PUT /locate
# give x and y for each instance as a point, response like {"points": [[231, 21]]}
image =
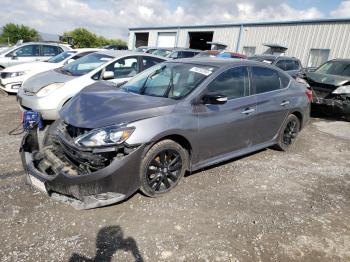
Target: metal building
{"points": [[312, 41]]}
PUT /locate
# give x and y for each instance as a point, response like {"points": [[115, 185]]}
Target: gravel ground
{"points": [[268, 206]]}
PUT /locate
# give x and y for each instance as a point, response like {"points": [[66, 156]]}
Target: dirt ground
{"points": [[268, 206]]}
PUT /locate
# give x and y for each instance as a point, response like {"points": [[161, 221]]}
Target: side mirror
{"points": [[107, 75], [214, 99], [14, 56]]}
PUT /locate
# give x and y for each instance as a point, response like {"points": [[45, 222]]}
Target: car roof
{"points": [[222, 62], [120, 53], [273, 57], [341, 60]]}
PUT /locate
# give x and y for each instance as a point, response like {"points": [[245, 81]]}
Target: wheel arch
{"points": [[299, 115]]}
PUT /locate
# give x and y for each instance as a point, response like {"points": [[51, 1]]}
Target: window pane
{"points": [[124, 67], [318, 57], [282, 64], [265, 79], [232, 83], [50, 50], [249, 50], [284, 80], [28, 50], [150, 61]]}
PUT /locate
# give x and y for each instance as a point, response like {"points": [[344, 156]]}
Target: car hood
{"points": [[331, 80], [37, 82], [99, 106]]}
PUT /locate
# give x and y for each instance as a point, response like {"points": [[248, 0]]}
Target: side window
{"points": [[148, 61], [124, 67], [49, 50], [265, 79], [291, 65], [284, 80], [233, 83], [97, 76], [175, 55], [27, 51], [282, 64], [187, 54]]}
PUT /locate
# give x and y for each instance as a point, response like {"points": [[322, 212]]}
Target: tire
{"points": [[163, 167], [288, 133], [347, 118]]}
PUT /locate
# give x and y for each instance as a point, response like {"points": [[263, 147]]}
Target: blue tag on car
{"points": [[32, 120]]}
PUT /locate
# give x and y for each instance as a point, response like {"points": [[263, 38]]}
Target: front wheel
{"points": [[288, 133], [163, 167]]}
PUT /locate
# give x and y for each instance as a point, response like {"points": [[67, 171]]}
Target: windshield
{"points": [[85, 64], [161, 52], [173, 80], [61, 57], [340, 68]]}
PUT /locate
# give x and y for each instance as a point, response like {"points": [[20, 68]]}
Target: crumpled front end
{"points": [[324, 97], [83, 177]]}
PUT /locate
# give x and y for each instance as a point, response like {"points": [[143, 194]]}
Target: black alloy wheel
{"points": [[163, 167], [288, 133]]}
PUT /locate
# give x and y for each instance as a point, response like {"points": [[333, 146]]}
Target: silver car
{"points": [[178, 116], [47, 92], [30, 52]]}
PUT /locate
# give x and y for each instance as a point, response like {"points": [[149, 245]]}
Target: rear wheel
{"points": [[288, 133], [163, 167]]}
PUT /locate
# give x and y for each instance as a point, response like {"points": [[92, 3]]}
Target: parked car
{"points": [[330, 84], [182, 53], [178, 116], [12, 77], [146, 49], [291, 65], [220, 53], [47, 92], [115, 47], [29, 52]]}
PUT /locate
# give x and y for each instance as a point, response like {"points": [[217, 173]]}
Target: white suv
{"points": [[29, 52]]}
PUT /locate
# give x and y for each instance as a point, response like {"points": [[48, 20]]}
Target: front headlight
{"points": [[104, 137], [15, 74], [342, 90], [48, 89]]}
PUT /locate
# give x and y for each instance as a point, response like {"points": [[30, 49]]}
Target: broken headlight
{"points": [[342, 90], [109, 136]]}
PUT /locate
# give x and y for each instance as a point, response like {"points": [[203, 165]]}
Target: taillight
{"points": [[308, 93]]}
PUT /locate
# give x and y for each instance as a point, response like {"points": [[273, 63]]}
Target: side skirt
{"points": [[230, 155]]}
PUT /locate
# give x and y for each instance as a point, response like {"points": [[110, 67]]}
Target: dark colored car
{"points": [[178, 116], [220, 53], [330, 84], [115, 47], [290, 65]]}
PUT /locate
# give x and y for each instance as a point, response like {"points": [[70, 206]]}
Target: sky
{"points": [[112, 18]]}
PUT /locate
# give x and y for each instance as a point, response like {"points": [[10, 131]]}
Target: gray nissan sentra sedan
{"points": [[177, 116]]}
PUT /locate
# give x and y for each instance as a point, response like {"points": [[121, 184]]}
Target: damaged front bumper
{"points": [[333, 105], [61, 180]]}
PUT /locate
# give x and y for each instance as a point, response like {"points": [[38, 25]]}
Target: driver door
{"points": [[24, 54], [227, 127]]}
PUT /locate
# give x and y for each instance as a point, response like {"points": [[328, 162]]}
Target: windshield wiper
{"points": [[171, 85], [157, 72]]}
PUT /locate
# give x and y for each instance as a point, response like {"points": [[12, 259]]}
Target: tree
{"points": [[14, 32], [84, 38]]}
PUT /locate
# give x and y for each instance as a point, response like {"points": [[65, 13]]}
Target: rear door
{"points": [[227, 127], [273, 104]]}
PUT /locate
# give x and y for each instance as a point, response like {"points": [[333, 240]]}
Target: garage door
{"points": [[166, 39]]}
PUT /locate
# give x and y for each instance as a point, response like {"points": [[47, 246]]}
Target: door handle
{"points": [[284, 103], [248, 111]]}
